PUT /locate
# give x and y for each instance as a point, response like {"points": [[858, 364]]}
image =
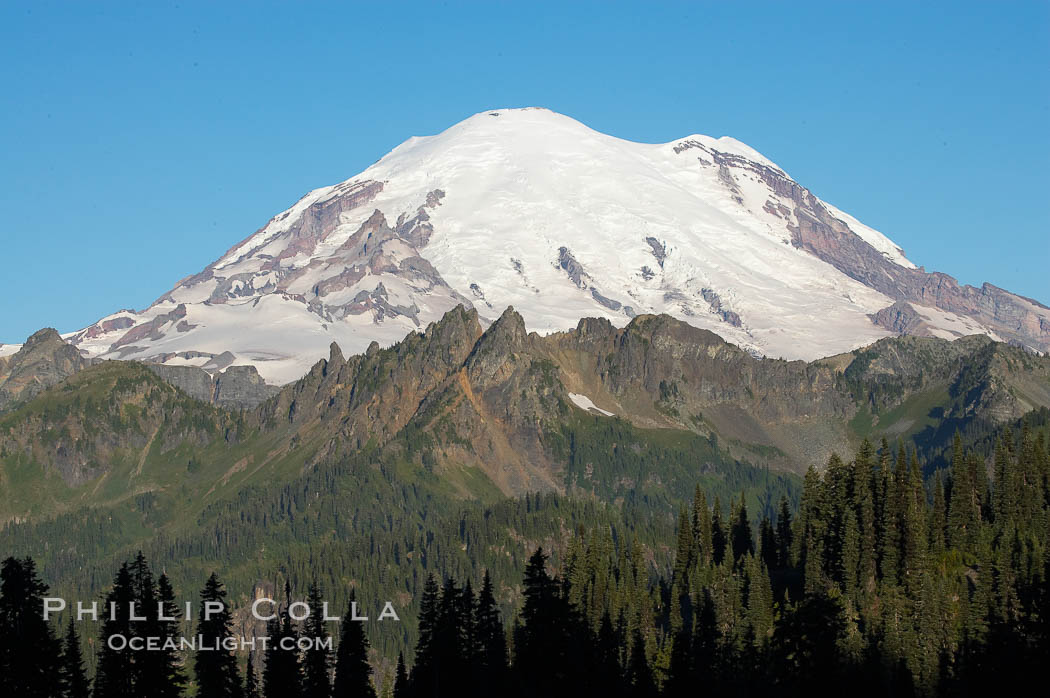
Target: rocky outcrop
{"points": [[238, 387], [572, 268], [900, 318], [44, 360], [494, 399]]}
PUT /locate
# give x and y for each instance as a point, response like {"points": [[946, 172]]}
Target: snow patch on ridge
{"points": [[585, 403]]}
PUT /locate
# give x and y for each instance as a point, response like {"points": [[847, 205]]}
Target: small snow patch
{"points": [[584, 403]]}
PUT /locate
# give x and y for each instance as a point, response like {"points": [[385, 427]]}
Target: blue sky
{"points": [[139, 141]]}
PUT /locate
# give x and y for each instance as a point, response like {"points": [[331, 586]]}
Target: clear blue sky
{"points": [[139, 141]]}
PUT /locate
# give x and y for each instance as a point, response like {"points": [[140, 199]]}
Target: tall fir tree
{"points": [[425, 671], [251, 678], [639, 673], [30, 654], [215, 667], [75, 683], [115, 672], [166, 662], [702, 526], [282, 673], [742, 538], [719, 534], [353, 674], [492, 641], [785, 535], [401, 685], [317, 660]]}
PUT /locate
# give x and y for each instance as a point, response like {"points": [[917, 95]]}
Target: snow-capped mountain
{"points": [[530, 208]]}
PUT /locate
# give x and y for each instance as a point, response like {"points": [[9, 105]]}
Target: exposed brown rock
{"points": [[44, 360]]}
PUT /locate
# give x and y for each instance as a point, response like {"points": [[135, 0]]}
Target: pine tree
{"points": [[685, 552], [215, 668], [681, 678], [938, 518], [165, 662], [639, 673], [540, 642], [150, 677], [251, 678], [889, 541], [401, 685], [30, 654], [862, 487], [743, 542], [424, 673], [964, 507], [75, 683], [353, 674], [115, 673], [719, 535], [282, 673], [784, 535], [317, 661], [492, 659], [767, 543], [702, 527]]}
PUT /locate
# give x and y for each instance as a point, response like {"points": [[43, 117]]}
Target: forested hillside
{"points": [[876, 580]]}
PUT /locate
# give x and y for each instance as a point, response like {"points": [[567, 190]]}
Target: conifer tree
{"points": [[75, 683], [150, 667], [702, 526], [685, 551], [784, 535], [767, 543], [353, 674], [492, 657], [963, 504], [282, 673], [165, 662], [863, 494], [401, 685], [424, 672], [681, 679], [29, 651], [251, 678], [639, 673], [115, 672], [743, 542], [541, 637], [317, 660], [719, 534], [938, 518], [215, 667]]}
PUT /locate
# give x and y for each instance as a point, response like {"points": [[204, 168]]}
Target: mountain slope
{"points": [[503, 411], [532, 209], [44, 359]]}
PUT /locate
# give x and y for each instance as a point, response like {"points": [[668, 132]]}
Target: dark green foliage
{"points": [[491, 642], [115, 675], [282, 671], [317, 660], [215, 668], [352, 671], [401, 685], [30, 654], [251, 678], [75, 683]]}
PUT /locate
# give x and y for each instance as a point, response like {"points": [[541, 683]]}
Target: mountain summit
{"points": [[530, 208]]}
